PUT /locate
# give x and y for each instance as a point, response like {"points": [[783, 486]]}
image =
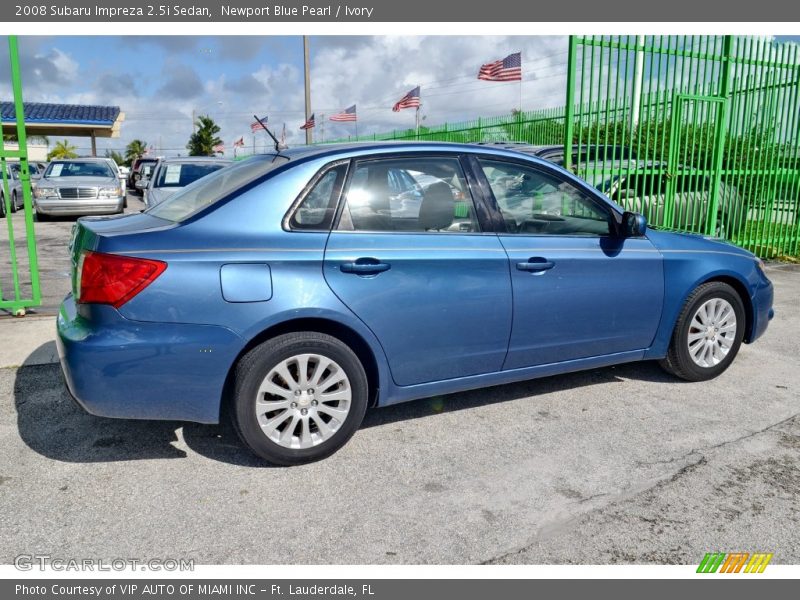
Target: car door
{"points": [[418, 269], [579, 291]]}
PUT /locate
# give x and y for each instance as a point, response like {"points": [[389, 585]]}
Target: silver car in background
{"points": [[171, 175], [78, 186], [14, 189]]}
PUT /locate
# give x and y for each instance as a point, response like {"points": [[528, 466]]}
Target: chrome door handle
{"points": [[362, 267], [536, 265]]}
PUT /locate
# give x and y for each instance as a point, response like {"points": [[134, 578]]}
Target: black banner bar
{"points": [[310, 11], [396, 589]]}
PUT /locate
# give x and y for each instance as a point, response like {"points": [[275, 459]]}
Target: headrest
{"points": [[436, 210]]}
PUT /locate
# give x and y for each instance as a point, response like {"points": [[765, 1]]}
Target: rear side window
{"points": [[419, 194], [318, 205]]}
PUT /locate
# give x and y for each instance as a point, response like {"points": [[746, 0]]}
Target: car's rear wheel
{"points": [[298, 397], [708, 333], [2, 207], [13, 202]]}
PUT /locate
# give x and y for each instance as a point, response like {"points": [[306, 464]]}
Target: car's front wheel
{"points": [[299, 397], [708, 333]]}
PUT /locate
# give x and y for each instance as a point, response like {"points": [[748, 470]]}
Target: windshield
{"points": [[182, 174], [79, 169], [208, 190]]}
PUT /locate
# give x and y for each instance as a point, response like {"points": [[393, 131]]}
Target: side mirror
{"points": [[633, 224]]}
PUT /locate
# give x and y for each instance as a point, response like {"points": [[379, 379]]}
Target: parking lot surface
{"points": [[52, 237], [614, 465]]}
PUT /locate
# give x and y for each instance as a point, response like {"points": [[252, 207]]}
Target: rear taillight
{"points": [[114, 279]]}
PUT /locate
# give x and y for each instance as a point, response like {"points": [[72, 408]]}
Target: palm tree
{"points": [[62, 150], [136, 149], [116, 157], [32, 139], [202, 142]]}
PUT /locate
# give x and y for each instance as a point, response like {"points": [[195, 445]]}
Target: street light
{"points": [[197, 110]]}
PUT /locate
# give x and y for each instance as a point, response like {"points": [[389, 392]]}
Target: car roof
{"points": [[82, 159], [196, 159], [359, 148]]}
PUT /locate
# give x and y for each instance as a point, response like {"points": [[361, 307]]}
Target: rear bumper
{"points": [[126, 369]]}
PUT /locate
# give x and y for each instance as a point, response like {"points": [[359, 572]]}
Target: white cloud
{"points": [[372, 72]]}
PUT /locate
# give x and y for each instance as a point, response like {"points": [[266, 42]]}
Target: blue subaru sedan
{"points": [[299, 288]]}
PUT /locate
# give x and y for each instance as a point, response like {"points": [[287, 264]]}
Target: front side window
{"points": [[535, 202], [420, 194]]}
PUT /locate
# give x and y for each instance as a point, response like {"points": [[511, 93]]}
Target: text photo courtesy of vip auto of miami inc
{"points": [[448, 300]]}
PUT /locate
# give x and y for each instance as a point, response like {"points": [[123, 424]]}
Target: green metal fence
{"points": [[20, 269], [710, 129], [544, 126], [700, 133]]}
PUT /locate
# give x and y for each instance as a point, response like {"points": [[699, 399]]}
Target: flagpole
{"points": [[356, 124], [321, 127], [307, 85], [416, 123]]}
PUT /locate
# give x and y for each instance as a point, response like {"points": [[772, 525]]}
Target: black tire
{"points": [[256, 365], [679, 361], [13, 202], [40, 217], [2, 207]]}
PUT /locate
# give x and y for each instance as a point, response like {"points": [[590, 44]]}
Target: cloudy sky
{"points": [[158, 81]]}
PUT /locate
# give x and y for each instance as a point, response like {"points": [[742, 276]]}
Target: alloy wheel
{"points": [[712, 332], [303, 401]]}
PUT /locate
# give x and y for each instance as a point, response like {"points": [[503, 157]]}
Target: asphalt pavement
{"points": [[613, 465], [52, 237]]}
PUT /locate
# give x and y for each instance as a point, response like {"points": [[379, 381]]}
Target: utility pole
{"points": [[308, 86]]}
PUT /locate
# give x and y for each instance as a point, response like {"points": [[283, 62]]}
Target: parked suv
{"points": [[140, 167]]}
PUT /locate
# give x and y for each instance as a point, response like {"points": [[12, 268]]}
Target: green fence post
{"points": [[30, 235], [719, 142], [572, 59]]}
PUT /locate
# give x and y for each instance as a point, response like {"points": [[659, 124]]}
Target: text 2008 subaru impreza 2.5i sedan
{"points": [[301, 288]]}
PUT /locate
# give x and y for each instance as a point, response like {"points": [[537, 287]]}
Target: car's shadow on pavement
{"points": [[53, 425]]}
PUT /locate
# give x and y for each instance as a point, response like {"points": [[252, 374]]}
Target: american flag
{"points": [[219, 148], [309, 124], [508, 69], [239, 143], [255, 125], [410, 100], [348, 114]]}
